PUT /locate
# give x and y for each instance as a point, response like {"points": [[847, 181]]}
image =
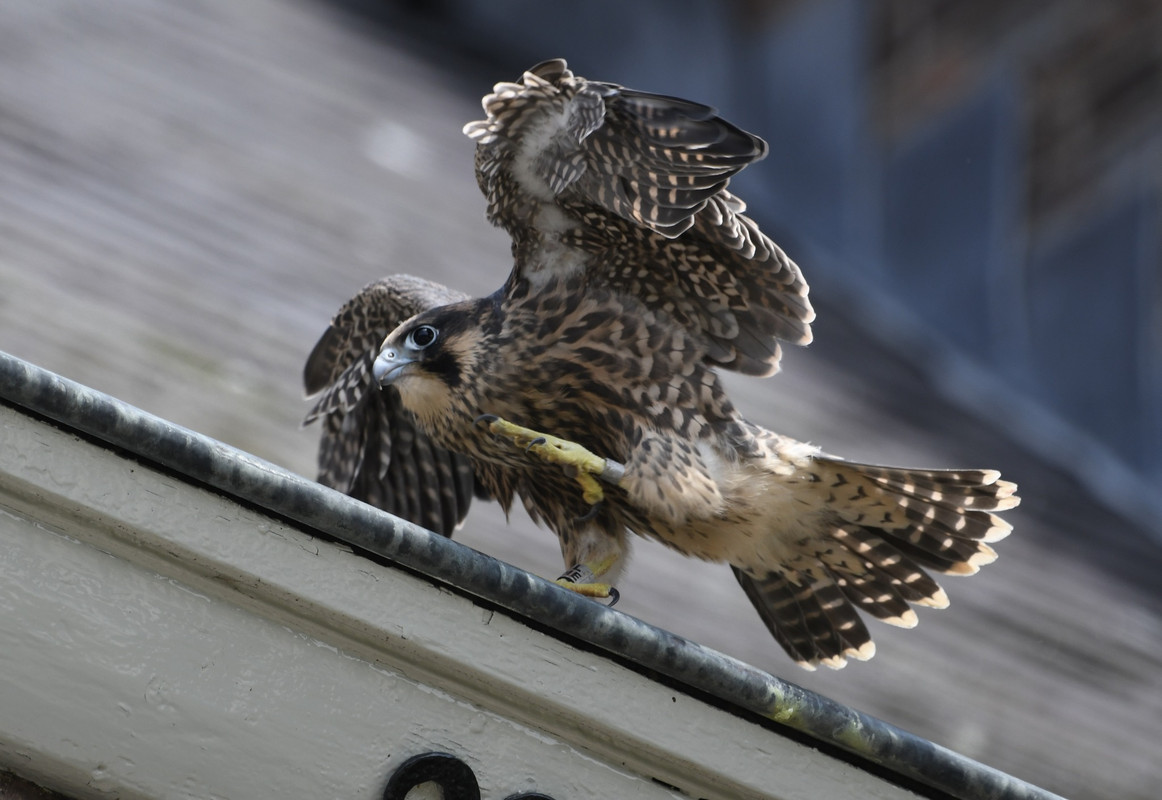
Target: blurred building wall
{"points": [[988, 170]]}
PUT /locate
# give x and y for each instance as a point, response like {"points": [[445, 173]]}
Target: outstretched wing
{"points": [[370, 447], [631, 188]]}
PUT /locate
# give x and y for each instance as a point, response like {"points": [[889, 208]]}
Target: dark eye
{"points": [[422, 336]]}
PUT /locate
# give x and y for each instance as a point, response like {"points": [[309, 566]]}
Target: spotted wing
{"points": [[636, 184], [370, 447]]}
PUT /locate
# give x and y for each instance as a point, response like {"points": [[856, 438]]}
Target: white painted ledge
{"points": [[162, 638]]}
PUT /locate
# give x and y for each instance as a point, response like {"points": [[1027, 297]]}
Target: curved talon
{"points": [[486, 419], [536, 443], [614, 596], [591, 513]]}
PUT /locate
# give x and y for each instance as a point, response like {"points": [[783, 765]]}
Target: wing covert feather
{"points": [[370, 447], [632, 186]]}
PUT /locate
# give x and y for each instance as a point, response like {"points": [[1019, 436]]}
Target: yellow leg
{"points": [[553, 450], [582, 579]]}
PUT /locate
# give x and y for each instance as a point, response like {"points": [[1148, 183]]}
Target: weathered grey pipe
{"points": [[855, 736]]}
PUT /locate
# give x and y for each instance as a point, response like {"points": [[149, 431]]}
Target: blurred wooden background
{"points": [[188, 191]]}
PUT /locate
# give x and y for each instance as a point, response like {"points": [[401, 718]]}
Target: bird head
{"points": [[428, 358]]}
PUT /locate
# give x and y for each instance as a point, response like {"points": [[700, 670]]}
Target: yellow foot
{"points": [[589, 467], [582, 579]]}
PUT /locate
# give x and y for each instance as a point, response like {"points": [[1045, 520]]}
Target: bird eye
{"points": [[422, 336]]}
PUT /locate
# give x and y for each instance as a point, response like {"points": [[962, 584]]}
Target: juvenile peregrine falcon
{"points": [[636, 276]]}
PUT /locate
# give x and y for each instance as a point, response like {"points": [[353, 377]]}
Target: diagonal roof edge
{"points": [[865, 739]]}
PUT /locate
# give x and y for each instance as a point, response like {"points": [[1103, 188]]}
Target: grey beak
{"points": [[389, 365]]}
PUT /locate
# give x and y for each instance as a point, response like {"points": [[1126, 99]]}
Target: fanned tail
{"points": [[884, 530]]}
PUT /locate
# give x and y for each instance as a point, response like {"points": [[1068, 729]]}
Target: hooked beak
{"points": [[389, 365]]}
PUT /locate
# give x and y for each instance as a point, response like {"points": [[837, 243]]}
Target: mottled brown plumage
{"points": [[635, 277], [370, 448], [629, 190], [811, 537]]}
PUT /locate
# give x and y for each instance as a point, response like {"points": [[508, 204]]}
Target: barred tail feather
{"points": [[940, 518], [814, 624], [883, 532]]}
